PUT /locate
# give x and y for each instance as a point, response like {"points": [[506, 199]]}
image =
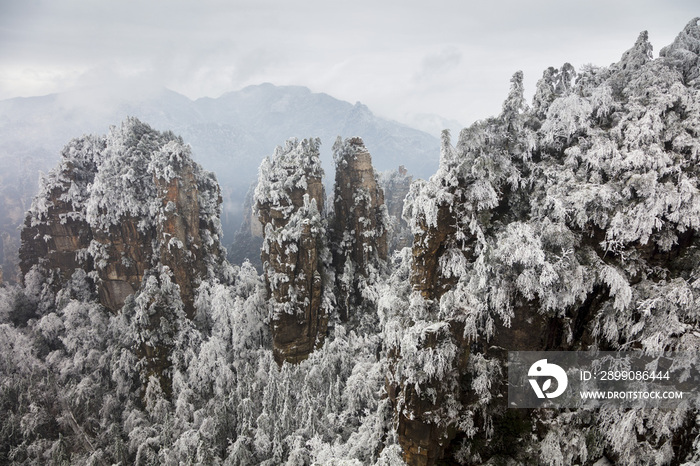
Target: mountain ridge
{"points": [[229, 136], [570, 223]]}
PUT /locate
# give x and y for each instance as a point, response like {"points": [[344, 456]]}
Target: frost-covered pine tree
{"points": [[575, 228]]}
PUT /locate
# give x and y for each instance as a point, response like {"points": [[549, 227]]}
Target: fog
{"points": [[404, 59]]}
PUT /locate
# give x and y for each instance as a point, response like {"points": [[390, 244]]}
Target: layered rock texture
{"points": [[56, 234], [568, 225], [289, 201], [359, 227], [396, 185], [298, 260], [121, 205], [125, 208]]}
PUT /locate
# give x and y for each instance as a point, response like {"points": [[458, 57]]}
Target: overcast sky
{"points": [[402, 58]]}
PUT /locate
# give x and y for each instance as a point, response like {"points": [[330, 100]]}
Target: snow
{"points": [[581, 195]]}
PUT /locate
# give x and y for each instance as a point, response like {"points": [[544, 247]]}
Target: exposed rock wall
{"points": [[429, 245], [547, 228], [55, 245], [422, 406], [396, 185], [289, 201], [178, 232], [56, 234], [141, 218], [359, 233], [84, 219], [125, 256]]}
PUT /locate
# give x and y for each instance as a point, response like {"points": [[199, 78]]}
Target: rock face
{"points": [[137, 217], [121, 205], [429, 245], [396, 185], [289, 201], [248, 239], [422, 406], [125, 261], [180, 231], [359, 233], [549, 228], [56, 234]]}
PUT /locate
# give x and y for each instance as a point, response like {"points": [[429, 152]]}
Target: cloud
{"points": [[410, 56], [437, 63]]}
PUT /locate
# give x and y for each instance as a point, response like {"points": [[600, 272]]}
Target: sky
{"points": [[404, 59]]}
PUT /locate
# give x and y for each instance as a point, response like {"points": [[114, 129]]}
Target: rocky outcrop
{"points": [[684, 53], [430, 244], [56, 234], [248, 239], [124, 260], [289, 201], [544, 229], [141, 218], [422, 405], [120, 205], [396, 185], [182, 231], [359, 233]]}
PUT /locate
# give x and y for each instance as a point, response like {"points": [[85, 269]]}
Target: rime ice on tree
{"points": [[289, 201], [359, 228]]}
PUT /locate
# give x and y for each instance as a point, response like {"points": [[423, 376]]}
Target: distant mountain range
{"points": [[229, 135]]}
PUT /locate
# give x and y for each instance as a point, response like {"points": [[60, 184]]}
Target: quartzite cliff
{"points": [[568, 223], [123, 207]]}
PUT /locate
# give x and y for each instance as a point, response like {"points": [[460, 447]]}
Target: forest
{"points": [[567, 223]]}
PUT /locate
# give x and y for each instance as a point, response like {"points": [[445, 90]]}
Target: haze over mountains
{"points": [[229, 135], [566, 226]]}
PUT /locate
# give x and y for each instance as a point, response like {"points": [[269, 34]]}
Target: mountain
{"points": [[557, 239], [229, 135], [433, 124], [125, 213]]}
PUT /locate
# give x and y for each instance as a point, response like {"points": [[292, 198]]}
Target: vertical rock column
{"points": [[289, 201], [429, 244], [424, 427], [359, 233], [125, 255], [178, 229], [396, 185], [134, 214]]}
